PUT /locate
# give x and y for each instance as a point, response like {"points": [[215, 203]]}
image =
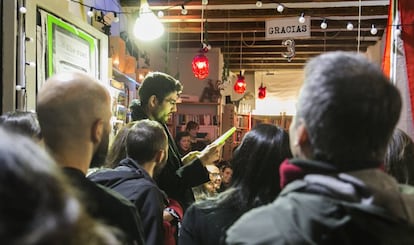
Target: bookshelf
{"points": [[282, 120], [243, 124], [206, 114]]}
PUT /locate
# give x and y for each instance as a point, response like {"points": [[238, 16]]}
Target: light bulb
{"points": [[302, 18], [116, 18], [349, 26], [183, 10], [398, 31], [204, 2], [259, 4], [374, 30], [147, 26], [324, 25], [280, 8], [90, 12], [22, 10], [160, 14]]}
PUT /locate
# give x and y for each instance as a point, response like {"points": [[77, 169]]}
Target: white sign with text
{"points": [[282, 28]]}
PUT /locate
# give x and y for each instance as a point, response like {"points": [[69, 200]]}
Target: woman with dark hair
{"points": [[255, 182], [117, 150]]}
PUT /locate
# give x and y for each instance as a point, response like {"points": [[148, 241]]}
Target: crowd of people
{"points": [[343, 174]]}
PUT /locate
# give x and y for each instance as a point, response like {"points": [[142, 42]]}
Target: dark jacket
{"points": [[108, 206], [356, 207], [175, 179], [133, 182], [206, 222]]}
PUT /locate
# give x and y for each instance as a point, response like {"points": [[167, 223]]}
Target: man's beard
{"points": [[98, 158]]}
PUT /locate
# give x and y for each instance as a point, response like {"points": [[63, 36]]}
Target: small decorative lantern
{"points": [[262, 92], [200, 65], [240, 85]]}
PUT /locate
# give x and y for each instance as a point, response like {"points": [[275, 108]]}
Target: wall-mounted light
{"points": [[90, 12], [147, 26], [280, 8], [374, 30], [349, 26], [324, 24], [259, 4], [184, 11], [302, 18]]}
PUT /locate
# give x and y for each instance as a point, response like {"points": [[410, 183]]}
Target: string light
{"points": [[116, 18], [90, 12], [302, 18], [23, 10], [280, 8], [184, 11], [349, 26], [324, 25], [374, 30]]}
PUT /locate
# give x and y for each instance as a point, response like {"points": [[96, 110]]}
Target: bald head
{"points": [[68, 105]]}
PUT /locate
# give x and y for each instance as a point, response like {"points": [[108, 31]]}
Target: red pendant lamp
{"points": [[262, 92], [240, 85], [200, 65]]}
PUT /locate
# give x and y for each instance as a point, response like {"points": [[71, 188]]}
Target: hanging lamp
{"points": [[200, 64], [261, 94], [240, 85], [147, 26]]}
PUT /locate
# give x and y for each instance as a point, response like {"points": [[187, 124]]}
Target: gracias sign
{"points": [[286, 28]]}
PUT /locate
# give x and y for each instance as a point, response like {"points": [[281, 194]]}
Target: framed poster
{"points": [[69, 48]]}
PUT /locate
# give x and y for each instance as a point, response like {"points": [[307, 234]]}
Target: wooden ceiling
{"points": [[240, 25]]}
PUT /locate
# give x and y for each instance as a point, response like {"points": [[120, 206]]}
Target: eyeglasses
{"points": [[172, 102]]}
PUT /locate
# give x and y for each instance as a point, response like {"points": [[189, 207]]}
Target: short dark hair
{"points": [[191, 125], [144, 139], [399, 158], [349, 109], [21, 122], [181, 135], [158, 84]]}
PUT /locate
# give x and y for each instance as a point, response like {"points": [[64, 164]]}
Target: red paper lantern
{"points": [[240, 85], [200, 66], [262, 92]]}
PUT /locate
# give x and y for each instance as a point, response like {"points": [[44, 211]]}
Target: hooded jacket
{"points": [[134, 183], [357, 207], [175, 178]]}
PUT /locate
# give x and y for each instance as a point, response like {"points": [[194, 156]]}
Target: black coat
{"points": [[175, 178], [103, 204], [206, 222], [133, 182]]}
